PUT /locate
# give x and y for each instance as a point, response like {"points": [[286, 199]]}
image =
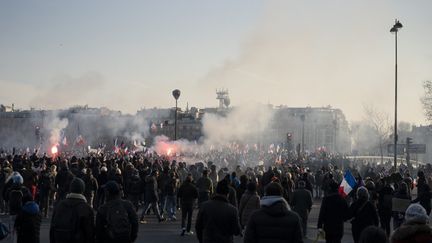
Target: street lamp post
{"points": [[302, 118], [395, 30], [176, 95]]}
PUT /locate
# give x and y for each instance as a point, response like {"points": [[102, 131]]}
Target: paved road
{"points": [[169, 232]]}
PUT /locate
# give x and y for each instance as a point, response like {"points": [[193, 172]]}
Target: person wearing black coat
{"points": [[274, 222], [332, 215], [28, 221], [218, 220], [187, 194], [84, 215], [424, 197], [113, 201], [363, 212]]}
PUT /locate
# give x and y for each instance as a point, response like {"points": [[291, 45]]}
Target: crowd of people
{"points": [[104, 197]]}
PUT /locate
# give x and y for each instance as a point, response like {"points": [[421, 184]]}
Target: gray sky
{"points": [[131, 54]]}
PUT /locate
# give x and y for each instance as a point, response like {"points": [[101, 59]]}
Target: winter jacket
{"points": [[78, 203], [249, 203], [273, 223], [412, 232], [332, 215], [205, 184], [301, 201], [151, 189], [217, 221], [364, 214], [27, 223], [101, 220], [187, 193]]}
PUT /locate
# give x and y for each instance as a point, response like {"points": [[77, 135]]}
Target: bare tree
{"points": [[426, 100], [381, 124]]}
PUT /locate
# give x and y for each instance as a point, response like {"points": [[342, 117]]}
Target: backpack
{"points": [[15, 200], [118, 226], [65, 224]]}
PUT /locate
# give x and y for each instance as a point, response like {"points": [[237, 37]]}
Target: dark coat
{"points": [[151, 189], [301, 201], [332, 215], [274, 223], [249, 203], [364, 214], [217, 221], [412, 233], [187, 193], [101, 220], [85, 217], [27, 223]]}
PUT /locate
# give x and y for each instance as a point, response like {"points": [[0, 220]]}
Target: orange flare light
{"points": [[54, 150]]}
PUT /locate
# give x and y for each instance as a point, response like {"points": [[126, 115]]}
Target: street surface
{"points": [[169, 231]]}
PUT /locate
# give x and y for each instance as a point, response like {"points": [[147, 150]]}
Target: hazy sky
{"points": [[131, 54]]}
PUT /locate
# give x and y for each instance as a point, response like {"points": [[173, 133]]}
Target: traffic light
{"points": [[408, 140]]}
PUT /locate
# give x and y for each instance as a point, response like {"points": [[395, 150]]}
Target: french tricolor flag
{"points": [[348, 184]]}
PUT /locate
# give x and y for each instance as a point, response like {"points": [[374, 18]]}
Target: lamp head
{"points": [[176, 94]]}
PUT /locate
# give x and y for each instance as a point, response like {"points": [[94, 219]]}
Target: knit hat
{"points": [[77, 186], [416, 212]]}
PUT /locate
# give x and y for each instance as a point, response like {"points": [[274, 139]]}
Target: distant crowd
{"points": [[104, 198]]}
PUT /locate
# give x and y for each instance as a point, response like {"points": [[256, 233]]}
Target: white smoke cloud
{"points": [[246, 123]]}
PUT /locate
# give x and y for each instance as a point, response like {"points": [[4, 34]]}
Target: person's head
{"points": [[274, 189], [363, 193], [333, 186], [77, 186], [251, 187], [205, 172], [222, 188], [416, 213], [301, 184], [113, 189], [373, 234], [189, 178], [17, 178]]}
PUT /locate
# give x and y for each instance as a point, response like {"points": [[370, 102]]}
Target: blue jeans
{"points": [[170, 206]]}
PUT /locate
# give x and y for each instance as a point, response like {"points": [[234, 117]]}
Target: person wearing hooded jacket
{"points": [[75, 200], [274, 222], [28, 221]]}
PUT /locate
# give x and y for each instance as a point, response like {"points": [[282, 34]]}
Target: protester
{"points": [[116, 220], [187, 194], [73, 219], [363, 213], [218, 220], [402, 193], [205, 187], [28, 221], [416, 227], [274, 222], [373, 234], [152, 197], [249, 202], [301, 202], [333, 213]]}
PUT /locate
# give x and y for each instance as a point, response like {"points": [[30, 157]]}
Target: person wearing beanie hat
{"points": [[217, 219], [111, 218], [415, 228], [28, 221], [73, 219], [363, 212]]}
